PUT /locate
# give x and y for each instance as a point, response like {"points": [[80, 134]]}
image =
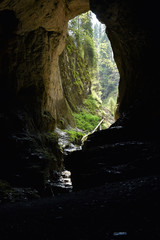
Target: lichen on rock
{"points": [[76, 80]]}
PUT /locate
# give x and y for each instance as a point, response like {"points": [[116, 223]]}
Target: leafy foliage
{"points": [[107, 70], [91, 104], [75, 136], [86, 121], [80, 28], [94, 48], [89, 50], [111, 105]]}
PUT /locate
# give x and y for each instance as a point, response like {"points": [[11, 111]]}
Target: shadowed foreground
{"points": [[121, 210]]}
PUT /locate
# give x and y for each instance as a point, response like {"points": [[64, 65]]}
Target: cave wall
{"points": [[32, 102], [76, 80], [132, 29], [32, 38]]}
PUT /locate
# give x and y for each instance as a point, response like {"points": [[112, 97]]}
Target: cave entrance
{"points": [[106, 73], [93, 57], [89, 76]]}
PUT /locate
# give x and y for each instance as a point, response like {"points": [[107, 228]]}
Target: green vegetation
{"points": [[110, 104], [106, 73], [76, 79], [92, 104], [95, 49], [89, 75], [75, 136], [86, 121], [80, 28]]}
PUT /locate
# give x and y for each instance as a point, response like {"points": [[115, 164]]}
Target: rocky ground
{"points": [[116, 185], [121, 210]]}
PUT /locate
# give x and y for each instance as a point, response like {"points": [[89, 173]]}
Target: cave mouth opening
{"points": [[94, 49]]}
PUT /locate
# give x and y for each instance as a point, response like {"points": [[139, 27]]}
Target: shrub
{"points": [[74, 136], [91, 104], [86, 121]]}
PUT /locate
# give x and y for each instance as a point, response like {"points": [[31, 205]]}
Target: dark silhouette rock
{"points": [[119, 166]]}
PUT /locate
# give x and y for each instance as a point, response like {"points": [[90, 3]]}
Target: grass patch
{"points": [[86, 121], [74, 136], [91, 104]]}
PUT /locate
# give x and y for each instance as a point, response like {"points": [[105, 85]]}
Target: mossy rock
{"points": [[76, 80], [75, 136]]}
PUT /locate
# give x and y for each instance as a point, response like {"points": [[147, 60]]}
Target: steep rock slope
{"points": [[131, 28], [34, 36], [130, 147], [75, 76], [32, 102]]}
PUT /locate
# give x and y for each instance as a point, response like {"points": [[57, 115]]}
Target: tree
{"points": [[107, 69], [94, 46]]}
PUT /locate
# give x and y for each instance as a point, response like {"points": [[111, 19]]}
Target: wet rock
{"points": [[63, 138], [65, 143], [105, 212], [29, 156], [13, 194], [97, 164], [24, 194], [60, 184]]}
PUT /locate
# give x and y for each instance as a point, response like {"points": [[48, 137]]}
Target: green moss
{"points": [[111, 105], [62, 121], [69, 49], [78, 82], [75, 136], [86, 121], [91, 104]]}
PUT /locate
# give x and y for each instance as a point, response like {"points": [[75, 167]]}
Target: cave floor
{"points": [[121, 210]]}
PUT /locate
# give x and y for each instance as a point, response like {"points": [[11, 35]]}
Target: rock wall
{"points": [[32, 102], [130, 147], [29, 60], [131, 28], [76, 80]]}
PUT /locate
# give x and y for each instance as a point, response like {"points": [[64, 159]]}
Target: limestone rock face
{"points": [[34, 35], [32, 102], [75, 76], [51, 15]]}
